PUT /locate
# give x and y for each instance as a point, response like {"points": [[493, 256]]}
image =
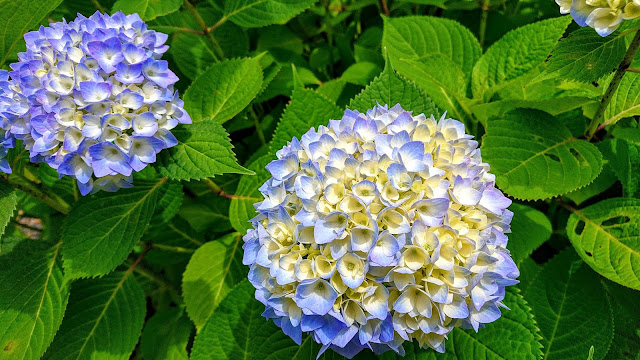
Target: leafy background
{"points": [[155, 272]]}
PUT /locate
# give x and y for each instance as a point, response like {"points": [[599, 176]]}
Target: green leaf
{"points": [[213, 271], [513, 336], [33, 299], [237, 330], [165, 336], [223, 90], [203, 150], [170, 199], [367, 46], [205, 212], [624, 159], [147, 9], [515, 54], [441, 79], [391, 89], [569, 302], [101, 231], [167, 237], [553, 105], [307, 109], [625, 102], [241, 209], [415, 37], [258, 13], [279, 37], [18, 17], [605, 235], [529, 270], [626, 339], [586, 56], [8, 202], [103, 322], [604, 181], [361, 73], [530, 228], [535, 157]]}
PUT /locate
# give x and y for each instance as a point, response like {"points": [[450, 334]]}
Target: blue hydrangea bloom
{"points": [[381, 228], [7, 117], [93, 99]]}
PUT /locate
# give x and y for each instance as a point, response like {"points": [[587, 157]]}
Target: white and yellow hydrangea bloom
{"points": [[380, 228], [605, 16]]}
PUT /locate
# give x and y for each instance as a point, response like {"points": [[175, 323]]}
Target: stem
{"points": [[385, 7], [218, 190], [137, 261], [216, 25], [41, 193], [99, 7], [634, 70], [256, 123], [177, 249], [483, 21], [613, 86], [206, 30]]}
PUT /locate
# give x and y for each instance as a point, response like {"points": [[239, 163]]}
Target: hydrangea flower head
{"points": [[93, 99], [7, 117], [380, 228], [605, 16]]}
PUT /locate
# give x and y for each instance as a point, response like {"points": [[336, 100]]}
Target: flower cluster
{"points": [[604, 16], [380, 228], [92, 99], [7, 141]]}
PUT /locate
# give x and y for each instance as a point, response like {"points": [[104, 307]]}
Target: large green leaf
{"points": [[208, 211], [624, 160], [223, 90], [571, 308], [586, 56], [441, 79], [535, 157], [241, 209], [213, 271], [515, 54], [236, 330], [257, 13], [415, 37], [307, 109], [605, 179], [33, 299], [103, 321], [165, 336], [147, 9], [626, 339], [625, 102], [8, 202], [513, 336], [552, 105], [390, 88], [101, 231], [203, 150], [529, 229], [606, 236], [18, 17]]}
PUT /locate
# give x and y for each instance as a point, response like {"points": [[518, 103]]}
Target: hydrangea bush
{"points": [[261, 179]]}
